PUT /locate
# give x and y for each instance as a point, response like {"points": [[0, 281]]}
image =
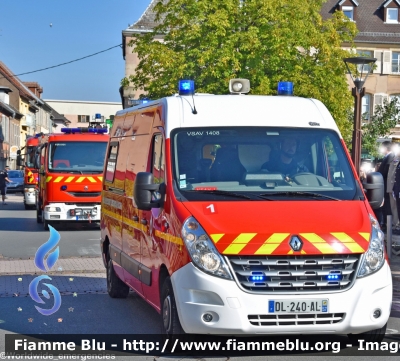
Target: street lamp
{"points": [[358, 92]]}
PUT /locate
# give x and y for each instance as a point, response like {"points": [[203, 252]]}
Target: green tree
{"points": [[265, 41], [384, 119]]}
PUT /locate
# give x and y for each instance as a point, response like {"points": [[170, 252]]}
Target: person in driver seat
{"points": [[284, 162]]}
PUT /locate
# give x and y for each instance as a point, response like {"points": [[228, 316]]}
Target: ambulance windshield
{"points": [[238, 163], [77, 157]]}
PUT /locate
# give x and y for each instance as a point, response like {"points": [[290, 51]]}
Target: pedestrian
{"points": [[382, 212], [3, 184], [6, 168], [390, 184]]}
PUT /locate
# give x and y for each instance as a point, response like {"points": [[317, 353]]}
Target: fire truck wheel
{"points": [[45, 224], [169, 313], [115, 287], [370, 336], [38, 214], [26, 206]]}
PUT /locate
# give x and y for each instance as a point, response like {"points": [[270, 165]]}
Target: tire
{"points": [[38, 214], [115, 287], [170, 323], [26, 206], [370, 336]]}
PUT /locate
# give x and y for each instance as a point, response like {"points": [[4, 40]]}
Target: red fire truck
{"points": [[70, 168], [30, 173]]}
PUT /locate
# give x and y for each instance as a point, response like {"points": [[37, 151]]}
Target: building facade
{"points": [[80, 113], [23, 113]]}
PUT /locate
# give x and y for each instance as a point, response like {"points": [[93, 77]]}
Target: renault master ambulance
{"points": [[242, 214]]}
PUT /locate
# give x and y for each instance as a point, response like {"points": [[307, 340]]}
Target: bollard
{"points": [[389, 236]]}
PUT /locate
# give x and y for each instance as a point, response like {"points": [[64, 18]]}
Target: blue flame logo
{"points": [[41, 263]]}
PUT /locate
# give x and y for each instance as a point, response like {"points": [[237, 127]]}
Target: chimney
{"points": [[4, 97]]}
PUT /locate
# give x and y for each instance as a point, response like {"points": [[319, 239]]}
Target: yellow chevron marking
{"points": [[272, 243], [48, 179], [58, 179], [80, 179], [111, 214], [69, 179], [302, 252], [319, 243], [216, 237], [91, 179], [100, 178], [349, 242], [366, 236], [169, 237], [239, 243]]}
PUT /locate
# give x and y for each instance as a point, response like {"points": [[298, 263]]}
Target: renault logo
{"points": [[296, 243], [85, 188]]}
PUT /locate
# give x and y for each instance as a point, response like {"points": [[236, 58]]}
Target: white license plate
{"points": [[298, 306]]}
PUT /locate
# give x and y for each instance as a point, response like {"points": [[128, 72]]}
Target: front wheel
{"points": [[170, 320], [115, 287], [370, 336], [38, 213]]}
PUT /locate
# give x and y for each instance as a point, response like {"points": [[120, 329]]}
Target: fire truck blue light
{"points": [[186, 87]]}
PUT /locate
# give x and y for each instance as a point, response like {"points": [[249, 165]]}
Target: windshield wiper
{"points": [[293, 194], [222, 193]]}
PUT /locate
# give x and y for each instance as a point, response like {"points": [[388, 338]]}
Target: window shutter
{"points": [[387, 66], [378, 63], [378, 99]]}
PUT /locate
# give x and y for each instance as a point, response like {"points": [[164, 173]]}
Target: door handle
{"points": [[143, 221], [135, 218]]}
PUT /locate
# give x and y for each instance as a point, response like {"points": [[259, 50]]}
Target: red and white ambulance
{"points": [[234, 214]]}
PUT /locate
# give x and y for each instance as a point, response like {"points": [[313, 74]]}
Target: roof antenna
{"points": [[194, 111]]}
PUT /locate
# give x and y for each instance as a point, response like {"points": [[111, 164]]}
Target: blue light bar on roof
{"points": [[83, 130], [186, 87], [285, 88]]}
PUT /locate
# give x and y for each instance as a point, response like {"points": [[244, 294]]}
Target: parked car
{"points": [[17, 178]]}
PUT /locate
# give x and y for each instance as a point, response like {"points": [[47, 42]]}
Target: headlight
{"points": [[27, 190], [202, 250], [53, 209], [374, 258]]}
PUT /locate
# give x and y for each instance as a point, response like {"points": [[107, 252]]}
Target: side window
{"points": [[335, 171], [158, 159], [111, 161]]}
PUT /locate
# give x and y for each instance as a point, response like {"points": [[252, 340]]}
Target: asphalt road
{"points": [[86, 308], [21, 235]]}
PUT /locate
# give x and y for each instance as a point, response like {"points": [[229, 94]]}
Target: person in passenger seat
{"points": [[284, 161]]}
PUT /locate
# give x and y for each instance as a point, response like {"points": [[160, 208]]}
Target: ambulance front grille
{"points": [[296, 319], [294, 274]]}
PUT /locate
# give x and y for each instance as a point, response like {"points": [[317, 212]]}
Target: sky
{"points": [[78, 28]]}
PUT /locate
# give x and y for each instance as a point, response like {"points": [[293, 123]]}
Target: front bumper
{"points": [[64, 213], [29, 196], [197, 293]]}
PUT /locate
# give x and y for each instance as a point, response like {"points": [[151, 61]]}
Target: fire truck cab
{"points": [[234, 214], [70, 168]]}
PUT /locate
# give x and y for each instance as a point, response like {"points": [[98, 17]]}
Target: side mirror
{"points": [[19, 161], [374, 189], [146, 193]]}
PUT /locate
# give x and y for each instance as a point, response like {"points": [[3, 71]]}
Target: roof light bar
{"points": [[84, 130], [285, 88], [186, 87]]}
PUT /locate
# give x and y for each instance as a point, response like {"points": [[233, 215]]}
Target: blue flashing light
{"points": [[285, 88], [334, 277], [186, 87], [257, 278], [63, 188], [84, 130]]}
